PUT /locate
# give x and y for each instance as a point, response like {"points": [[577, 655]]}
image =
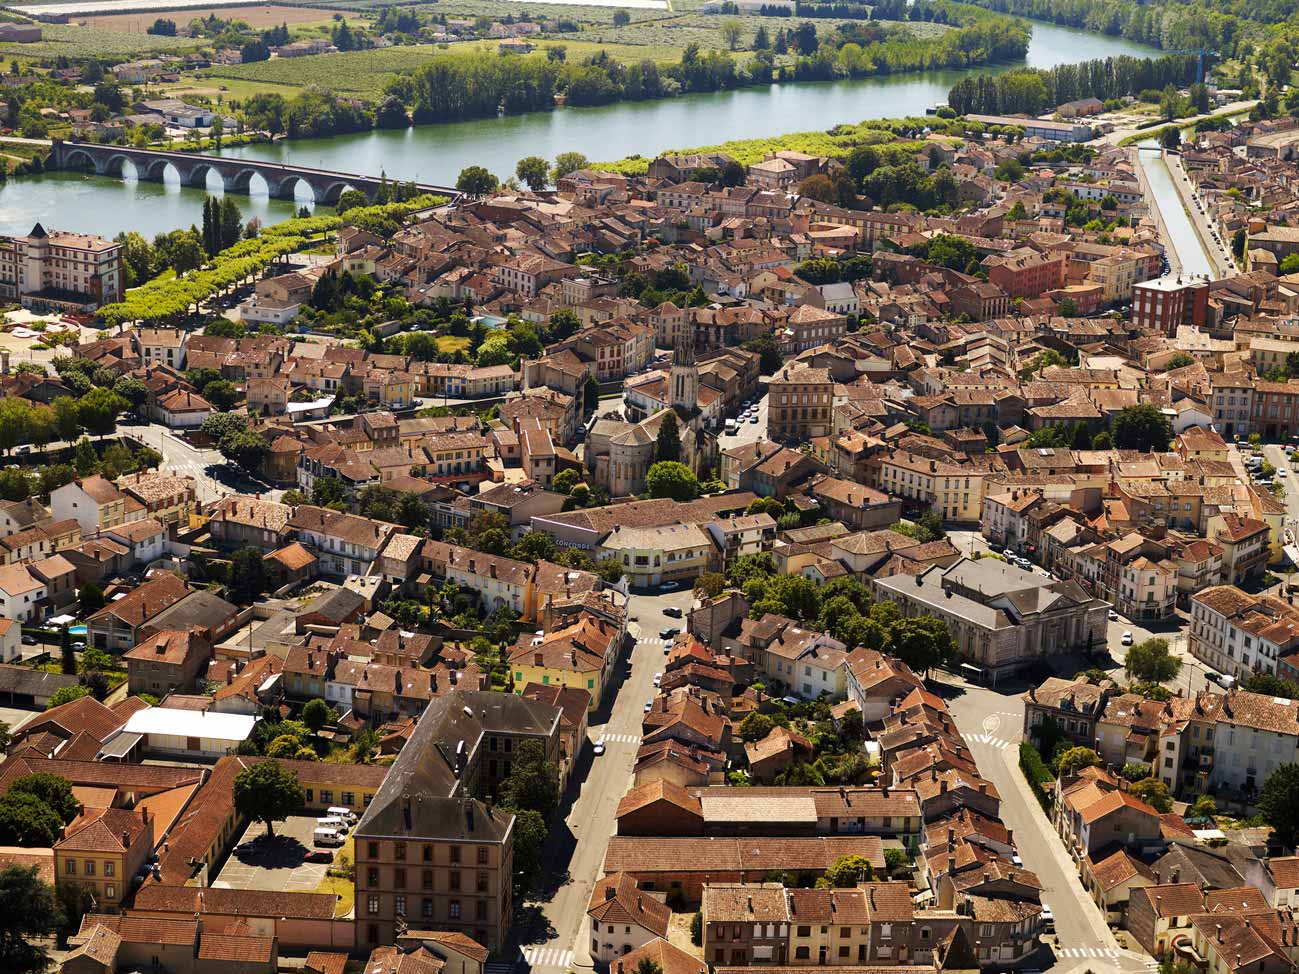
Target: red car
{"points": [[319, 855]]}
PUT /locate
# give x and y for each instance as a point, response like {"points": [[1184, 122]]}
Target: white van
{"points": [[338, 811], [326, 837], [332, 822]]}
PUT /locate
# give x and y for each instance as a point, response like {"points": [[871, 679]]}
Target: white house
{"points": [[147, 539], [11, 641], [623, 918], [92, 502], [20, 593], [181, 409]]}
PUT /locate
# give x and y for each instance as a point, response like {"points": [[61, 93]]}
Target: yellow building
{"points": [[102, 850], [953, 492], [579, 656]]}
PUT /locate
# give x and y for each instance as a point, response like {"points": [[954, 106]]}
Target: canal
{"points": [[437, 153], [1182, 237]]}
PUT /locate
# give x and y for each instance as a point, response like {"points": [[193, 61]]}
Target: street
{"points": [[181, 458], [1216, 248], [590, 820], [992, 724]]}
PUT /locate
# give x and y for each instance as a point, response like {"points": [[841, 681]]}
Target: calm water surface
{"points": [[437, 153]]}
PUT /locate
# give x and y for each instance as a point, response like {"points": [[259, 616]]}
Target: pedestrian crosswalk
{"points": [[620, 738], [547, 957], [1110, 952], [1000, 743]]}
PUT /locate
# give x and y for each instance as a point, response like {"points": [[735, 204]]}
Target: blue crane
{"points": [[1199, 53]]}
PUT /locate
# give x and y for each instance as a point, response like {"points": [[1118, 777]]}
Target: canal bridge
{"points": [[236, 175]]}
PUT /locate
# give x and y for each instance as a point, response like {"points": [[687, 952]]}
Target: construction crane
{"points": [[1199, 53]]}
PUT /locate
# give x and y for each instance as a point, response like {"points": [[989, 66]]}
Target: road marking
{"points": [[1091, 952], [619, 738], [547, 957], [994, 742]]}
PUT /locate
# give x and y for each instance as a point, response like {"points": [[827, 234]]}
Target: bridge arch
{"points": [[285, 187], [120, 165], [336, 189], [196, 175], [241, 181], [80, 160], [153, 170]]}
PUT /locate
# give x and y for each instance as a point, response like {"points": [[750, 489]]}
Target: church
{"points": [[619, 452]]}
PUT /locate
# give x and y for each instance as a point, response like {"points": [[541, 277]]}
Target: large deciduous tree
{"points": [[269, 793]]}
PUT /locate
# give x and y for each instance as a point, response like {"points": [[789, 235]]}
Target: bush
{"points": [[1038, 774]]}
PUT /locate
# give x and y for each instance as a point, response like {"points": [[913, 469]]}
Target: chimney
{"points": [[126, 839], [640, 906], [610, 892], [951, 864], [1218, 927], [951, 835], [942, 787]]}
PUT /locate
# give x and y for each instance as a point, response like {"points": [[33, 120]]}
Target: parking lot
{"points": [[278, 864]]}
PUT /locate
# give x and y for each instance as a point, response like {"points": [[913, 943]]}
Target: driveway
{"points": [[555, 937]]}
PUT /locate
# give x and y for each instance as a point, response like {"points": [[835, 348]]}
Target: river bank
{"points": [[437, 154]]}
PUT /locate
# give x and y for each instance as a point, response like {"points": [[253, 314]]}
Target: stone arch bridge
{"points": [[236, 174]]}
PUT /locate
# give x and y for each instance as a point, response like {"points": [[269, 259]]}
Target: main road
{"points": [[560, 943], [992, 724]]}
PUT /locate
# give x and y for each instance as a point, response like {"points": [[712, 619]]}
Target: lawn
{"points": [[748, 151], [340, 886], [450, 344]]}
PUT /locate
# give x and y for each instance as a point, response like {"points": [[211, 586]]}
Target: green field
{"points": [[365, 73], [89, 42]]}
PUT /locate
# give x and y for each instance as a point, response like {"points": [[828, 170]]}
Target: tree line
{"points": [[1035, 90], [1173, 26], [481, 85]]}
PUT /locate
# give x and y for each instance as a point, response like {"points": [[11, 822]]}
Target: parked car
{"points": [[672, 612], [1114, 616], [599, 747], [658, 679], [1127, 638], [318, 855], [649, 705], [668, 632]]}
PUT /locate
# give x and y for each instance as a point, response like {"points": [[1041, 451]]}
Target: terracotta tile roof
{"points": [[293, 557], [104, 830], [187, 900], [745, 903], [616, 899], [642, 796], [223, 947], [160, 592], [1120, 868], [663, 955], [142, 930], [324, 962], [452, 939], [1173, 899]]}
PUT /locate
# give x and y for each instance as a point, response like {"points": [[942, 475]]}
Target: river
{"points": [[1182, 237], [437, 153]]}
